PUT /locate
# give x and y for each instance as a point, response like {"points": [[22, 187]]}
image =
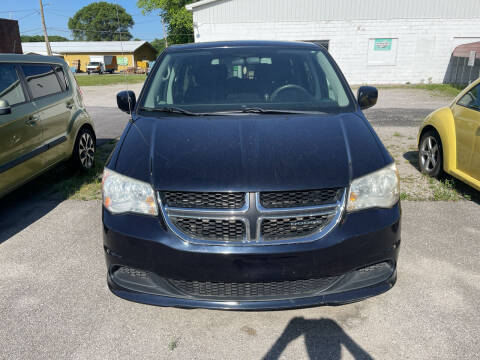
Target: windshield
{"points": [[266, 78], [94, 63]]}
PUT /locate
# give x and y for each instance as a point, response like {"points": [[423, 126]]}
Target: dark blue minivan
{"points": [[249, 178]]}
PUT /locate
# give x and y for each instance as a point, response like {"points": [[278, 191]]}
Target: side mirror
{"points": [[5, 107], [367, 96], [126, 100]]}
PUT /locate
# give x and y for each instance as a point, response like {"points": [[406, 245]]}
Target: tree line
{"points": [[103, 21]]}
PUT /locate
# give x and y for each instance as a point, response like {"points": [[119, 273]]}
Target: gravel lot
{"points": [[55, 302]]}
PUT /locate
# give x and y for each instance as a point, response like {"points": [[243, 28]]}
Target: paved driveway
{"points": [[55, 303]]}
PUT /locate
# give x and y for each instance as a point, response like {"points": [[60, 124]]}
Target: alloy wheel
{"points": [[86, 150], [429, 153]]}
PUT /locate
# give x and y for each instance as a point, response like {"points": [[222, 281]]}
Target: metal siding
{"points": [[85, 46], [234, 11]]}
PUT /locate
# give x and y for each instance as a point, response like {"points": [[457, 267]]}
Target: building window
{"points": [[382, 51]]}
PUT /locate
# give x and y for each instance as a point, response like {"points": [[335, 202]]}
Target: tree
{"points": [[158, 45], [178, 19], [101, 21], [41, 38]]}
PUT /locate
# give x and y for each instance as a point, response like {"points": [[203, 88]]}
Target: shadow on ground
{"points": [[463, 189], [323, 340], [37, 198]]}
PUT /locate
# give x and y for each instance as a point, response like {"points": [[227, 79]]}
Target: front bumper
{"points": [[358, 258]]}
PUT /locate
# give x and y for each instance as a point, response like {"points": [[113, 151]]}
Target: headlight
{"points": [[122, 194], [378, 189]]}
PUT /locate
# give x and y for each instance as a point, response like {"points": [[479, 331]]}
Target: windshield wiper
{"points": [[259, 110], [246, 110], [173, 109]]}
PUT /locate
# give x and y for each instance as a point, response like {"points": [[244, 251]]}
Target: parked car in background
{"points": [[102, 64], [449, 139], [249, 178], [42, 119]]}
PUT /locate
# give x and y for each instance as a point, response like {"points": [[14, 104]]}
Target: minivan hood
{"points": [[250, 152]]}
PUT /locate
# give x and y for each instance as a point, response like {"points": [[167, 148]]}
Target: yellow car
{"points": [[449, 139]]}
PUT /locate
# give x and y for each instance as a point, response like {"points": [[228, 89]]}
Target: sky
{"points": [[57, 12]]}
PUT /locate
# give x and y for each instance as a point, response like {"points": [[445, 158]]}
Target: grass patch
{"points": [[107, 79], [397, 134], [67, 182], [172, 345], [88, 185], [447, 89], [443, 89], [444, 190]]}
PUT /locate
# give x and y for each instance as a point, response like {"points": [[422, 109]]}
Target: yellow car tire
{"points": [[430, 154]]}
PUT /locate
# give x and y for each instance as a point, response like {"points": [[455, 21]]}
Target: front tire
{"points": [[84, 151], [430, 154]]}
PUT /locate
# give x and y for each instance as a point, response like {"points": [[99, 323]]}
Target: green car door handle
{"points": [[32, 120]]}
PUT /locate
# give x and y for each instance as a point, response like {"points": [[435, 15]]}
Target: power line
{"points": [[68, 17], [103, 31], [57, 13], [31, 30], [36, 12], [16, 11]]}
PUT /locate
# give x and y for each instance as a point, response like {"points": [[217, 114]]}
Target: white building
{"points": [[373, 41]]}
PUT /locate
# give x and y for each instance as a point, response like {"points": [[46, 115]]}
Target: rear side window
{"points": [[41, 80], [61, 77], [471, 99], [10, 86]]}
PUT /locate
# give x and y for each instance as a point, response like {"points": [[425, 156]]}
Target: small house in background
{"points": [[464, 66], [10, 37], [131, 56]]}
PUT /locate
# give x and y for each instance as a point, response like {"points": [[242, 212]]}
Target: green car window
{"points": [[62, 77], [10, 86], [41, 80]]}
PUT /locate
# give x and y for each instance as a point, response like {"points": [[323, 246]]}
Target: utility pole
{"points": [[164, 33], [47, 43]]}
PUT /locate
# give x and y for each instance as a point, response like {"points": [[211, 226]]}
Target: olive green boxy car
{"points": [[42, 119]]}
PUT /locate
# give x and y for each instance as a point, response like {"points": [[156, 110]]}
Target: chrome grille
{"points": [[211, 229], [204, 200], [232, 291], [288, 199], [252, 223], [293, 227]]}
